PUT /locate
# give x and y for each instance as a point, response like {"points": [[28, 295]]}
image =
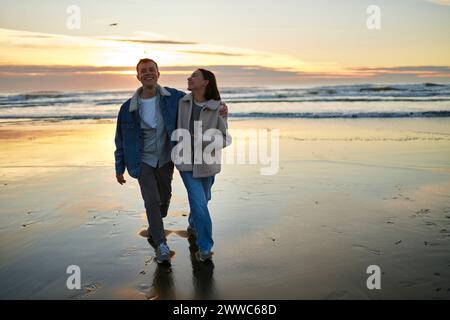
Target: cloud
{"points": [[145, 41], [24, 78], [415, 71], [213, 53], [441, 2], [234, 71], [33, 70], [37, 61], [36, 36], [407, 69], [21, 47]]}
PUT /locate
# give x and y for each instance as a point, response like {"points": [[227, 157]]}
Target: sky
{"points": [[45, 45]]}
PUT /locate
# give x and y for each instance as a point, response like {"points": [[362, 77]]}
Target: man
{"points": [[144, 126]]}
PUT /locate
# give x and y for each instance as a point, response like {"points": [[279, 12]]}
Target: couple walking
{"points": [[147, 125]]}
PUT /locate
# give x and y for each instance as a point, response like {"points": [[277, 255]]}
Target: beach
{"points": [[349, 193]]}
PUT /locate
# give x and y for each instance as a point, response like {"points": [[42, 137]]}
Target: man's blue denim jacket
{"points": [[128, 139]]}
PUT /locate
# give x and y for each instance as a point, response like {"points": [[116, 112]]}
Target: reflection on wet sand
{"points": [[162, 287], [202, 275]]}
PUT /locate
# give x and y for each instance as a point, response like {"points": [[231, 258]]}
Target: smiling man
{"points": [[144, 126]]}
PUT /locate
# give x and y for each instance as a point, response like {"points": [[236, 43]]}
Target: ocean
{"points": [[343, 101]]}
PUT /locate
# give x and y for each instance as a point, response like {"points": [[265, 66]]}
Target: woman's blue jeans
{"points": [[199, 194]]}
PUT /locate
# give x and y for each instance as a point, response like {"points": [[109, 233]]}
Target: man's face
{"points": [[148, 74]]}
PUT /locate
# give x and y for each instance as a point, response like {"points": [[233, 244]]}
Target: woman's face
{"points": [[196, 81]]}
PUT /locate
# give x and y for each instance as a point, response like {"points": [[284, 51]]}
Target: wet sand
{"points": [[349, 193]]}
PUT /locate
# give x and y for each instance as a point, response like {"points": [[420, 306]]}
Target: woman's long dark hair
{"points": [[211, 91]]}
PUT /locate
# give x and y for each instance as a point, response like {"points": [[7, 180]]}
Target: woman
{"points": [[198, 116]]}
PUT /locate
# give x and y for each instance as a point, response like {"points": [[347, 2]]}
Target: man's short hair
{"points": [[145, 60]]}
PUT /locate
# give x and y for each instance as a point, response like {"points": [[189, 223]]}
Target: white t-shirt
{"points": [[147, 110]]}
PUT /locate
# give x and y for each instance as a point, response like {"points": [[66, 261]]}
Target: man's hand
{"points": [[223, 111], [120, 178]]}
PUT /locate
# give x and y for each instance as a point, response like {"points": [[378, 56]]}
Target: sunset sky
{"points": [[286, 42]]}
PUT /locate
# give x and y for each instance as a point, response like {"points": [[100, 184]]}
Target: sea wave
{"points": [[306, 115], [343, 101]]}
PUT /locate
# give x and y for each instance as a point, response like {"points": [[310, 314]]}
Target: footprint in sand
{"points": [[114, 233], [421, 213], [149, 261], [399, 196], [88, 290], [391, 220], [128, 251], [336, 295], [98, 219], [332, 229], [92, 288], [369, 250], [29, 223], [123, 211], [413, 283]]}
